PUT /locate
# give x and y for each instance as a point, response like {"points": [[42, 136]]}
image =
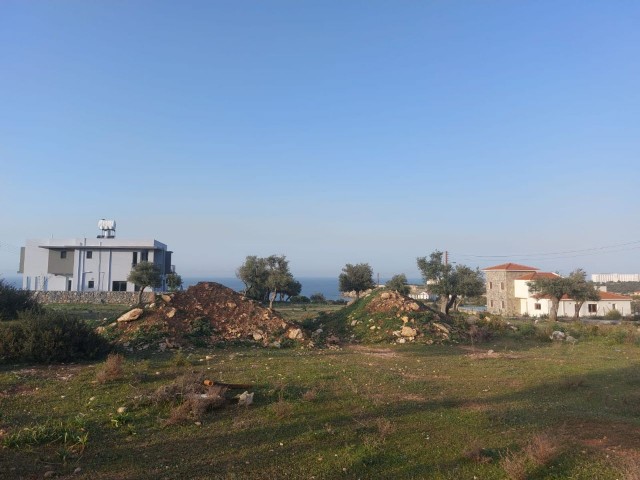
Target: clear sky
{"points": [[329, 131]]}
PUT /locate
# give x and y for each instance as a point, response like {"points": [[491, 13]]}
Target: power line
{"points": [[581, 252]]}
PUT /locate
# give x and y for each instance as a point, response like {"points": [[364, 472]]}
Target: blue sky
{"points": [[331, 132]]}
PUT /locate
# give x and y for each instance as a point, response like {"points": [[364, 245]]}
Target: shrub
{"points": [[299, 299], [13, 301], [111, 370], [613, 315], [49, 337]]}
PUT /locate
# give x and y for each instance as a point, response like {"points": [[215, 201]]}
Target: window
{"points": [[491, 303], [537, 306], [502, 304], [501, 285], [593, 307], [119, 286], [613, 306], [491, 287], [90, 284], [89, 254], [134, 262], [144, 256], [63, 254]]}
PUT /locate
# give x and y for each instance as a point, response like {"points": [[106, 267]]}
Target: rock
{"points": [[405, 319], [257, 336], [77, 470], [231, 305], [121, 409], [408, 332], [100, 330], [385, 296], [131, 315], [245, 399], [413, 306], [295, 334], [275, 345], [557, 335], [354, 323], [49, 474], [166, 298], [372, 327], [441, 328], [171, 312], [571, 340], [332, 339], [401, 340]]}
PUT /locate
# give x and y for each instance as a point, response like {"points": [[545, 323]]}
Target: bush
{"points": [[300, 299], [613, 315], [14, 300], [49, 337]]}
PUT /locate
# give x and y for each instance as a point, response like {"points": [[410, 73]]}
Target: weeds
{"points": [[112, 369]]}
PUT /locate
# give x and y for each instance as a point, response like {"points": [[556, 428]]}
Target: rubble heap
{"points": [[205, 314]]}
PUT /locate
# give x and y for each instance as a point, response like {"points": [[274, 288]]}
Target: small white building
{"points": [[535, 305], [87, 264]]}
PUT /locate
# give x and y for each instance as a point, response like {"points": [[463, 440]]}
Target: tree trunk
{"points": [[553, 314], [577, 306], [271, 299], [140, 294], [449, 302]]}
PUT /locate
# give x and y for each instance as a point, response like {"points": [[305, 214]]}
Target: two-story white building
{"points": [[99, 264], [508, 293]]}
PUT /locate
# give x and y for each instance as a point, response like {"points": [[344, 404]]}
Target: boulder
{"points": [[166, 298], [557, 335], [441, 328], [171, 312], [131, 315], [257, 336], [408, 332], [571, 340], [385, 295], [295, 334]]}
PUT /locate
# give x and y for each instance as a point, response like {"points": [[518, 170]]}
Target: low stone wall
{"points": [[121, 298]]}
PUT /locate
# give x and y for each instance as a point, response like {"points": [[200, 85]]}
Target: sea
{"points": [[328, 286]]}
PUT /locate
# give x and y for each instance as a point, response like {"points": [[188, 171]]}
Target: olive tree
{"points": [[448, 282], [399, 284], [356, 278], [143, 275]]}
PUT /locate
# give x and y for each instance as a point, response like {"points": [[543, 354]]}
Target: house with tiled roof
{"points": [[508, 294]]}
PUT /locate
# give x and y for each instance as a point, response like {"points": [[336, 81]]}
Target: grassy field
{"points": [[507, 409]]}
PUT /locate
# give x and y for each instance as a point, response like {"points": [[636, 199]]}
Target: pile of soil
{"points": [[391, 301], [205, 314]]}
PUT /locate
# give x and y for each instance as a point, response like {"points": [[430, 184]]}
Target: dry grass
{"points": [[515, 466], [541, 449], [281, 408], [630, 468], [112, 368], [310, 395]]}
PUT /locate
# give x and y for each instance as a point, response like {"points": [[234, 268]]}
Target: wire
{"points": [[555, 254]]}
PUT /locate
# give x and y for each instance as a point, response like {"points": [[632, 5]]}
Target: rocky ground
{"points": [[205, 314]]}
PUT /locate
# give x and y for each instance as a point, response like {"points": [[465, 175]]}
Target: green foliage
{"points": [[613, 314], [174, 282], [399, 283], [317, 298], [300, 299], [200, 331], [49, 337], [145, 274], [72, 434], [356, 278], [14, 300], [449, 283], [267, 278]]}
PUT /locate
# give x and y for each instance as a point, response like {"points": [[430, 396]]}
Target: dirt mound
{"points": [[205, 314], [394, 302]]}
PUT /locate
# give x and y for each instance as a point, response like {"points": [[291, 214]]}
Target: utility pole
{"points": [[446, 257], [378, 279]]}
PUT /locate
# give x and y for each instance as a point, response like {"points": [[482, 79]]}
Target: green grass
{"points": [[383, 411]]}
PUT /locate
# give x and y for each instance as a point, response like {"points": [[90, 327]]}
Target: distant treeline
{"points": [[622, 287]]}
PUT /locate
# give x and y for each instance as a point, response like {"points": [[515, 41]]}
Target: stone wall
{"points": [[120, 298]]}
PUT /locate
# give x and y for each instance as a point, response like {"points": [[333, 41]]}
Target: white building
{"points": [[615, 277], [508, 293], [89, 265]]}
